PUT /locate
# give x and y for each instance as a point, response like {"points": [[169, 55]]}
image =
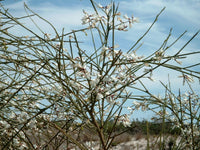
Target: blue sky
{"points": [[180, 15]]}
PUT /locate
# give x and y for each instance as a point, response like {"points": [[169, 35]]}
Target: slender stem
{"points": [[191, 123]]}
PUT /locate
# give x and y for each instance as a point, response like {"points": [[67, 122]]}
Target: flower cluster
{"points": [[159, 55], [124, 119], [123, 23], [94, 19]]}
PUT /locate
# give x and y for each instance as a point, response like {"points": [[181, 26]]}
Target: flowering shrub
{"points": [[52, 88]]}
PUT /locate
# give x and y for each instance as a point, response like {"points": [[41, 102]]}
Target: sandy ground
{"points": [[133, 144]]}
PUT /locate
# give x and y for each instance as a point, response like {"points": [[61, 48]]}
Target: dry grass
{"points": [[123, 138], [139, 136]]}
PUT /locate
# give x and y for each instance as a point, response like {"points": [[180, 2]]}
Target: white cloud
{"points": [[61, 17], [17, 5]]}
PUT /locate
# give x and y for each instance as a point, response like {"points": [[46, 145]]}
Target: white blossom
{"points": [[124, 119], [136, 104], [4, 124], [126, 17], [99, 96]]}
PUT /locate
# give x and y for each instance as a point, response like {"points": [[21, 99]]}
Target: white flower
{"points": [[147, 64], [124, 119], [187, 77], [179, 62], [85, 20], [130, 109], [126, 17], [152, 79], [76, 85], [119, 19], [47, 35], [122, 27], [16, 141], [22, 117], [57, 45], [26, 36], [12, 115], [23, 146], [99, 96], [137, 105], [134, 56], [100, 6], [71, 37], [147, 70], [85, 12], [4, 124], [107, 8], [159, 54], [104, 49], [126, 122], [135, 19], [94, 82], [32, 124]]}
